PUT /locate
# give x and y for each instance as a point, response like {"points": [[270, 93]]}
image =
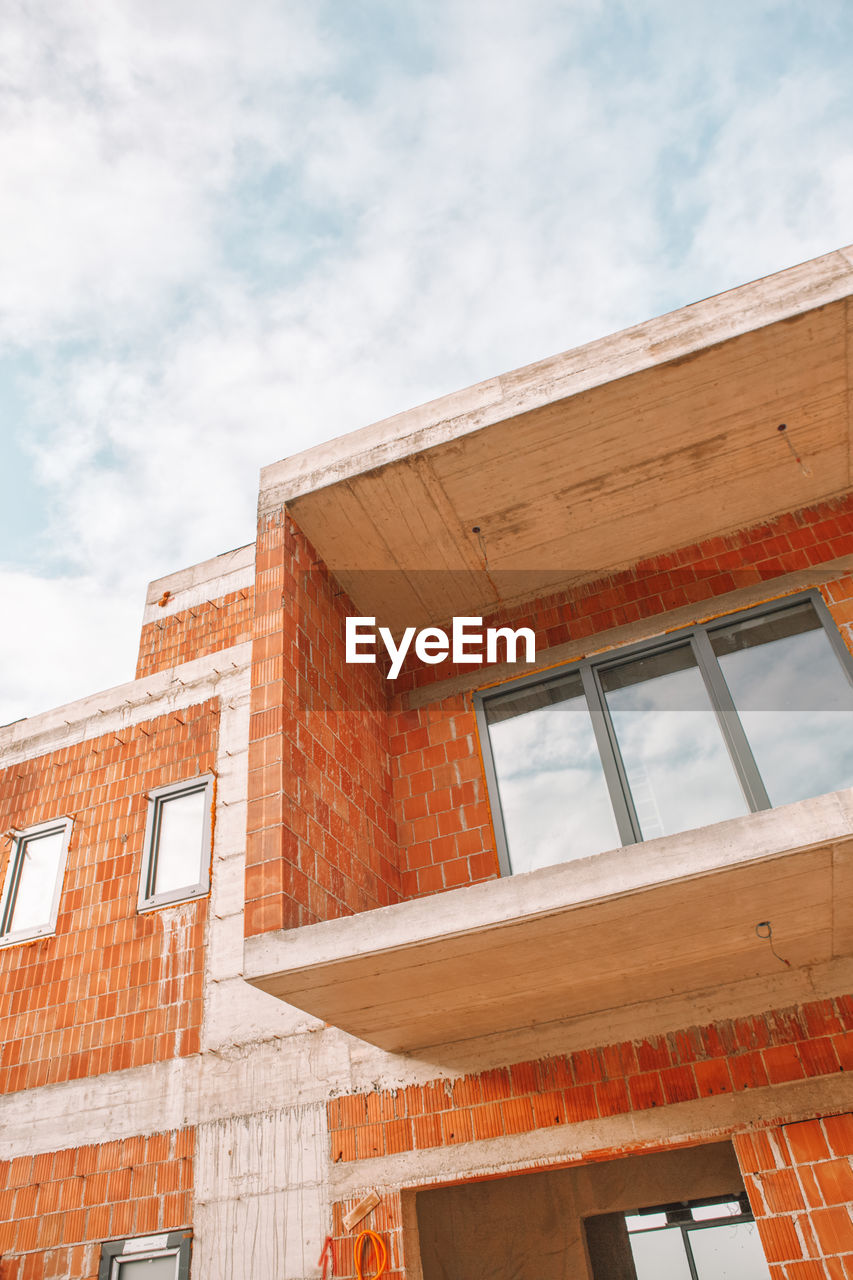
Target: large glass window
{"points": [[712, 722], [33, 881], [703, 1241], [787, 688], [673, 752], [553, 790]]}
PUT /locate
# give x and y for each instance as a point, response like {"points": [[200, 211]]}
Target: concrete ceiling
{"points": [[657, 437]]}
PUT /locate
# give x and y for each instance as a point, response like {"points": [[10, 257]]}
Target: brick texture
{"points": [[112, 988], [192, 633], [57, 1209], [386, 1222], [606, 1080], [321, 840], [800, 1183], [444, 821]]}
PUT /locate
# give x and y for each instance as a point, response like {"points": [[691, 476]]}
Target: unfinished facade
{"points": [[553, 957]]}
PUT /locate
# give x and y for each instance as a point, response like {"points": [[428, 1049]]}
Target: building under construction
{"points": [[531, 963]]}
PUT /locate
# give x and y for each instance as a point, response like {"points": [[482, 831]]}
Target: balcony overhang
{"points": [[657, 437], [670, 916]]}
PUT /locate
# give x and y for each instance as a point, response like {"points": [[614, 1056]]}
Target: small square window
{"points": [[30, 901], [161, 1257], [176, 863]]}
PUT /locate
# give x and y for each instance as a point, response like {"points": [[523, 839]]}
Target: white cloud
{"points": [[120, 130], [62, 639], [254, 232], [780, 179]]}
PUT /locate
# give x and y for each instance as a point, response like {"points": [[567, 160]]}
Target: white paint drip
{"points": [[175, 958]]}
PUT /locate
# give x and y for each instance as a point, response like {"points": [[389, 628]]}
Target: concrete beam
{"points": [[670, 337], [126, 704], [231, 571]]}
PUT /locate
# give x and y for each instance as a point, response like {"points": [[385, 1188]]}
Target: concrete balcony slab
{"points": [[645, 922]]}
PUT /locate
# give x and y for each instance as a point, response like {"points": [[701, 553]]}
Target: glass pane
{"points": [[660, 1255], [179, 844], [676, 761], [149, 1268], [723, 1209], [729, 1252], [644, 1221], [794, 700], [554, 799], [37, 882]]}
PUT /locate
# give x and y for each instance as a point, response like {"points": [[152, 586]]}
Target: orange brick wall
{"points": [[205, 628], [781, 1045], [112, 988], [444, 820], [321, 840], [800, 1183], [386, 1221], [57, 1209], [801, 1214]]}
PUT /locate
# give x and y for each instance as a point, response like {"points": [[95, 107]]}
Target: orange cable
{"points": [[380, 1254]]}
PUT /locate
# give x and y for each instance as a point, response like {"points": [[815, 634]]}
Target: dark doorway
{"points": [[568, 1224]]}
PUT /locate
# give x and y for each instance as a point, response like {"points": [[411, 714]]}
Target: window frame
{"points": [[9, 937], [157, 797], [176, 1244], [680, 1218], [590, 669]]}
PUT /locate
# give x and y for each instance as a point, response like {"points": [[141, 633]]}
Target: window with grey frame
{"points": [[698, 1240], [155, 1257], [30, 903], [742, 713], [176, 862]]}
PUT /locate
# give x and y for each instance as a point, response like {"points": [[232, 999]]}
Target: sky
{"points": [[232, 229]]}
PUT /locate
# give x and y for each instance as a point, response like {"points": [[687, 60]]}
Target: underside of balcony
{"points": [[668, 916]]}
